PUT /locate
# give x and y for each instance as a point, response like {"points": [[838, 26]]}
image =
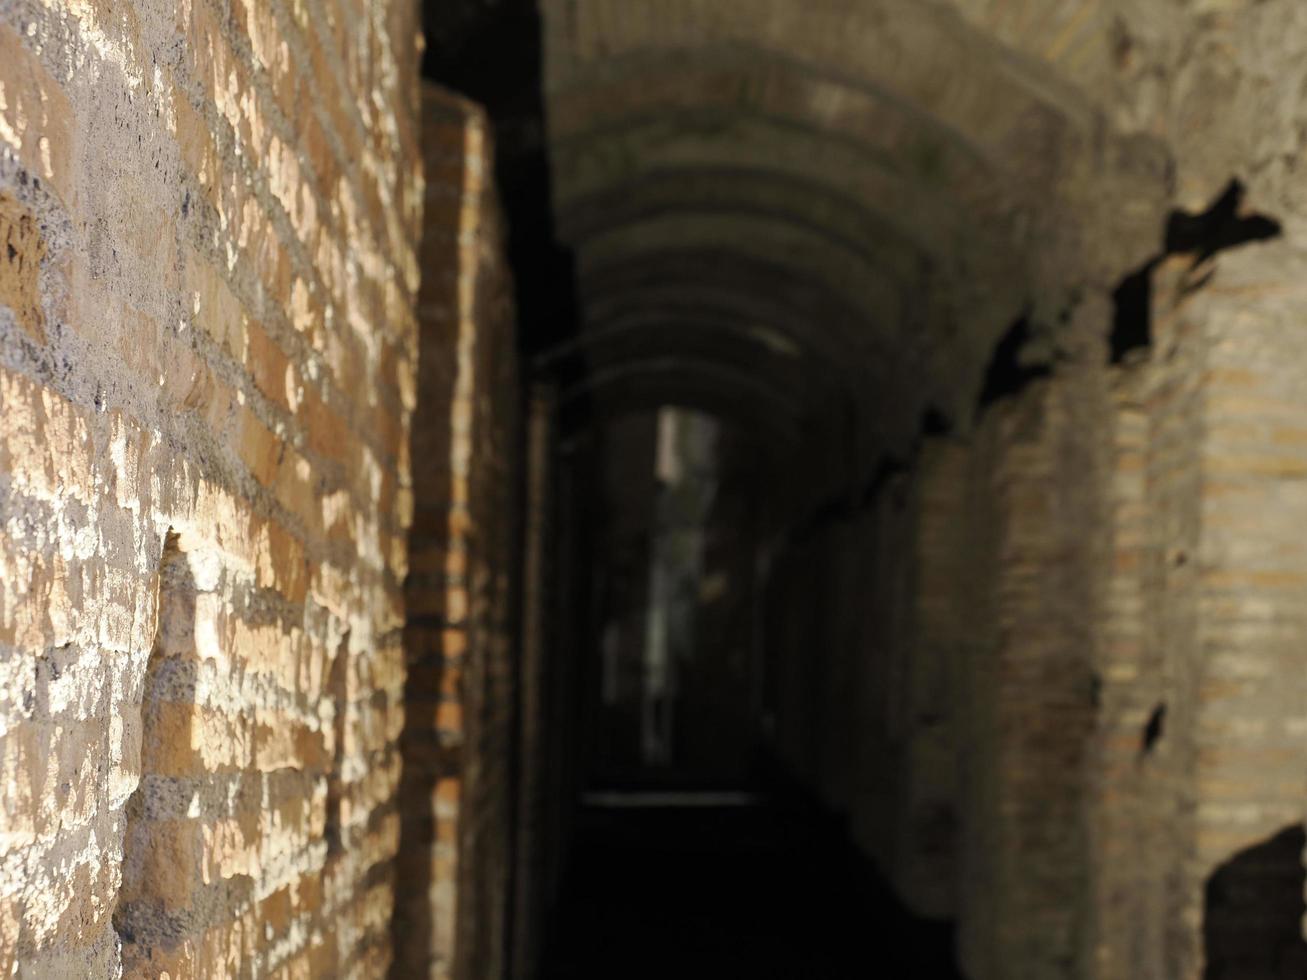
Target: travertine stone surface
{"points": [[209, 214]]}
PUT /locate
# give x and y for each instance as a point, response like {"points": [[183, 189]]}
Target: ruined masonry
{"points": [[336, 342]]}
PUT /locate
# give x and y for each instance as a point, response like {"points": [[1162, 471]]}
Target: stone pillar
{"points": [[1025, 680], [1197, 785], [1247, 679]]}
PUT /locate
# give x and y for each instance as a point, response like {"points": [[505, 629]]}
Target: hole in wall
{"points": [[1154, 729], [1008, 374], [1224, 225], [338, 687], [1132, 313], [1253, 911], [935, 423]]}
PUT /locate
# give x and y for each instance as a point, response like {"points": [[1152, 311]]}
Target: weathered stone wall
{"points": [[1195, 790], [1222, 453], [460, 699], [1250, 727], [1025, 689], [1050, 670], [1076, 724], [207, 348]]}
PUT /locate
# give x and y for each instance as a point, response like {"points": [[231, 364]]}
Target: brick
{"points": [[172, 251]]}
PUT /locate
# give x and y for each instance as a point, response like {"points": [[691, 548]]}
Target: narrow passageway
{"points": [[560, 489], [771, 890]]}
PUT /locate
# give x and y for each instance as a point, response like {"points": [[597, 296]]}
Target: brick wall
{"points": [[207, 349], [882, 707], [905, 638], [948, 626], [1240, 686], [1026, 691], [1196, 789], [1072, 713], [459, 732]]}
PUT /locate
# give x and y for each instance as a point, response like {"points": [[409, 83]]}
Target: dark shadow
{"points": [[1132, 312], [338, 689], [494, 54], [1222, 226], [1153, 730], [1253, 912], [935, 423], [772, 891], [1007, 374]]}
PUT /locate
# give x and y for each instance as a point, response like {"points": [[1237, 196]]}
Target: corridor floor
{"points": [[770, 892]]}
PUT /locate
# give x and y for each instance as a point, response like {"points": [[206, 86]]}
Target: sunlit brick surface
{"points": [[455, 799], [207, 336]]}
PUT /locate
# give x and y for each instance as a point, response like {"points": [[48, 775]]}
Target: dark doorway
{"points": [[1252, 920]]}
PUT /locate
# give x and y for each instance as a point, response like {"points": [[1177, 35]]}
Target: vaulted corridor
{"points": [[543, 489]]}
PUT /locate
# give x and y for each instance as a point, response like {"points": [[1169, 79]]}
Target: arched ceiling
{"points": [[820, 209]]}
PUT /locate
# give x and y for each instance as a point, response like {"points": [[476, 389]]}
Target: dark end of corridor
{"points": [[769, 890]]}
